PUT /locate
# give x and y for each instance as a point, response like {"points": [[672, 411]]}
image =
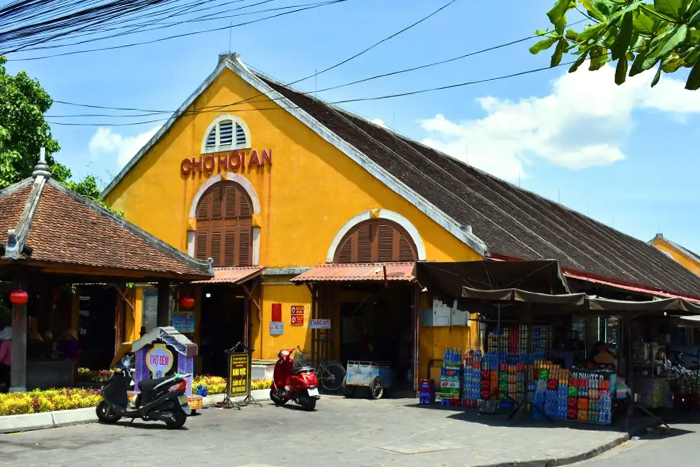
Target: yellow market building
{"points": [[311, 212]]}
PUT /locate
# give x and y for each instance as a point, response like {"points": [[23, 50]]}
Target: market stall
{"points": [[520, 368]]}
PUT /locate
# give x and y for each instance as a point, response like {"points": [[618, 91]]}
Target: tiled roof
{"points": [[67, 229], [232, 276], [372, 272], [511, 221]]}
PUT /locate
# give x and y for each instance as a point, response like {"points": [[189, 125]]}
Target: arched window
{"points": [[224, 225], [375, 241], [226, 133]]}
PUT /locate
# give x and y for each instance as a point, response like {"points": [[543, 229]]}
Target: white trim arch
{"points": [[236, 121], [245, 184], [383, 214]]}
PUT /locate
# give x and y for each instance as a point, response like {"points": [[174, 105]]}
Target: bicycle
{"points": [[331, 375]]}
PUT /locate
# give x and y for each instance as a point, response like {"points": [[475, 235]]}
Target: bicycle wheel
{"points": [[333, 377]]}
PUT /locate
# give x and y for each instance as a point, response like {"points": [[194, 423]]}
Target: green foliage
{"points": [[24, 131], [639, 34]]}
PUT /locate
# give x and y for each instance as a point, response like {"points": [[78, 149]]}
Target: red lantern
{"points": [[19, 297], [186, 303]]}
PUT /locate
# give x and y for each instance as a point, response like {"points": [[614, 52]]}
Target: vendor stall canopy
{"points": [[54, 230]]}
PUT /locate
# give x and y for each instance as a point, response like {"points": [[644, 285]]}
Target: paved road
{"points": [[340, 432], [681, 447]]}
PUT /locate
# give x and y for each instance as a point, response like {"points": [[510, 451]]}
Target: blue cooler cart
{"points": [[376, 376]]}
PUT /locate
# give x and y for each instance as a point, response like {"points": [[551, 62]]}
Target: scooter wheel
{"points": [[307, 403], [279, 401], [179, 419], [105, 414]]}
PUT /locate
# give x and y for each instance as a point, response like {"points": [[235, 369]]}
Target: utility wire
{"points": [[177, 36]]}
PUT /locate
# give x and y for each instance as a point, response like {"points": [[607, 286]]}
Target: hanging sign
{"points": [[319, 323], [183, 321], [239, 377], [276, 328], [159, 360]]}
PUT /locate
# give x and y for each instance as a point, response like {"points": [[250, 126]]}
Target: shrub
{"points": [[86, 375], [36, 401], [217, 384]]}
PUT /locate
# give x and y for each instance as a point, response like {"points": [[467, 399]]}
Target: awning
{"points": [[674, 306], [519, 295], [630, 288], [367, 272], [232, 276], [448, 279]]}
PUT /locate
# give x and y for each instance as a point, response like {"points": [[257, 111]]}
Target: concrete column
{"points": [[163, 318], [18, 372]]}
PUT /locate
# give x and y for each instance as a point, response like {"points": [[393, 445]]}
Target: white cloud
{"points": [[106, 142], [379, 121], [582, 123]]}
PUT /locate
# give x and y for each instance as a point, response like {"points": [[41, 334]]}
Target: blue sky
{"points": [[625, 155]]}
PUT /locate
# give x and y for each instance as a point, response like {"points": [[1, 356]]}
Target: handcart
{"points": [[376, 376]]}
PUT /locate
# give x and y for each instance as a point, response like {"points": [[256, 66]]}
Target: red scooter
{"points": [[294, 380]]}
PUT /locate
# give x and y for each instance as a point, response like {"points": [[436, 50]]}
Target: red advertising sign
{"points": [[297, 320], [297, 310]]}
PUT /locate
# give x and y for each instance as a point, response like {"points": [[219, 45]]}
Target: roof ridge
{"points": [[135, 230], [15, 187], [17, 237]]}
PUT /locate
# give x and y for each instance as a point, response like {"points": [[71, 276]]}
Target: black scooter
{"points": [[161, 399]]}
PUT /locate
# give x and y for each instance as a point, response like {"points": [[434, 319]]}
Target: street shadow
{"points": [[639, 425], [155, 425]]}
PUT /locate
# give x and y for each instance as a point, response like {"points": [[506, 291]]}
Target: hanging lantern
{"points": [[19, 297], [186, 303]]}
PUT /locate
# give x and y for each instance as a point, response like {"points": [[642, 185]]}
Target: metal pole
{"points": [[18, 369]]}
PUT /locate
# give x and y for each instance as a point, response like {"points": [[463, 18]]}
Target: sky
{"points": [[623, 155]]}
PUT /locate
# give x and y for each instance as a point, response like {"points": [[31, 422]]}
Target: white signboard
{"points": [[320, 323], [276, 328]]}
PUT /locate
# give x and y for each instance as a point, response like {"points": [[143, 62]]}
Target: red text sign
{"points": [[236, 161]]}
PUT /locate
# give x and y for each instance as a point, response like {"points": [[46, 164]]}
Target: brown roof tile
{"points": [[12, 200], [66, 228], [511, 221]]}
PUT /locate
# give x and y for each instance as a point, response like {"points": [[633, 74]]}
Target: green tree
{"points": [[24, 131], [638, 34]]}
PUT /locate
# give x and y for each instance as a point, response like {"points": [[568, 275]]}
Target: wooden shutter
{"points": [[376, 241], [224, 226], [245, 247], [216, 247], [201, 248], [241, 140], [364, 243]]}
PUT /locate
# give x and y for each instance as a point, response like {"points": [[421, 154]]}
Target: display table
{"points": [[50, 374]]}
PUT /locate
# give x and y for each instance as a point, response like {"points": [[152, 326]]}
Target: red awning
{"points": [[373, 272], [232, 276], [631, 288]]}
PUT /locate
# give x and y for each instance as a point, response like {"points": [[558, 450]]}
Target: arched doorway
{"points": [[223, 232], [376, 240], [376, 319], [224, 225]]}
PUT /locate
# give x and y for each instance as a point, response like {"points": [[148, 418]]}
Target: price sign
{"points": [[239, 377], [159, 360]]}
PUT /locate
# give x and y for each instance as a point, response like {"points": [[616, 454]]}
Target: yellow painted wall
{"points": [[688, 262], [310, 191]]}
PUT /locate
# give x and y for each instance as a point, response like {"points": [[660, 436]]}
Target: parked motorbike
{"points": [[160, 399], [295, 380]]}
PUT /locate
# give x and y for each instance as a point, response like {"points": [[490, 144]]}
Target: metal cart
{"points": [[376, 376]]}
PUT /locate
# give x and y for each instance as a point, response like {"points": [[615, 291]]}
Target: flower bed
{"points": [[217, 384], [86, 375], [37, 401]]}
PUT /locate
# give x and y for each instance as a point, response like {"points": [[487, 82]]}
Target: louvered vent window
{"points": [[376, 241], [224, 225], [226, 135]]}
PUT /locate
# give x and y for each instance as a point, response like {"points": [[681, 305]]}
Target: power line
{"points": [[346, 101], [177, 36]]}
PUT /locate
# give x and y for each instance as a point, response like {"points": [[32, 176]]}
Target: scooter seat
{"points": [[303, 369], [148, 385]]}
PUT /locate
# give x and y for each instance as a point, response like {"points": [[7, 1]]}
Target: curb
{"points": [[41, 421], [564, 460]]}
